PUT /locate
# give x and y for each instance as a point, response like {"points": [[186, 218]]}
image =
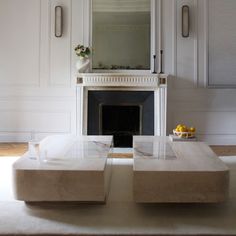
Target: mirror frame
{"points": [[156, 42]]}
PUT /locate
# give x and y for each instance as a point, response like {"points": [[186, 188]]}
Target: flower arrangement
{"points": [[82, 51]]}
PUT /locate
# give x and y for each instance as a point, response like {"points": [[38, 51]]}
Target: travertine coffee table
{"points": [[166, 171], [80, 173]]}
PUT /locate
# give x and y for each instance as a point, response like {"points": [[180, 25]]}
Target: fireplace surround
{"points": [[123, 90]]}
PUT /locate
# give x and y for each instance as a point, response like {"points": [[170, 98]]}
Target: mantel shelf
{"points": [[122, 79]]}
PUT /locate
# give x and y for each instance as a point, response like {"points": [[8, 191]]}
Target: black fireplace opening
{"points": [[121, 114], [121, 121]]}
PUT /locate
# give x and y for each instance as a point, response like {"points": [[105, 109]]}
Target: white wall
{"points": [[212, 111], [37, 73], [37, 91]]}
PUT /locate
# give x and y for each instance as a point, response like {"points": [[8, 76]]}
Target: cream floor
{"points": [[120, 215]]}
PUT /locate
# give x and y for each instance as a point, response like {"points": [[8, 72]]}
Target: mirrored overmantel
{"points": [[121, 34], [125, 35]]}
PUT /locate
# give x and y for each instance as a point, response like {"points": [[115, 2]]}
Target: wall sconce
{"points": [[185, 21], [58, 21]]}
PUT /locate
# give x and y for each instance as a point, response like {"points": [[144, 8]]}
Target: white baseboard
{"points": [[19, 137], [220, 139]]}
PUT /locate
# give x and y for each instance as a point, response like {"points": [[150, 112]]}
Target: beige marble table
{"points": [[120, 215], [166, 171], [74, 169]]}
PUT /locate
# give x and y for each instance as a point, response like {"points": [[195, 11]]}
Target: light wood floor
{"points": [[12, 149], [17, 149]]}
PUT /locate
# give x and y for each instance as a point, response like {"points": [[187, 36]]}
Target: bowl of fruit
{"points": [[183, 131]]}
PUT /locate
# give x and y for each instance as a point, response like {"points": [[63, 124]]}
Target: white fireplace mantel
{"points": [[122, 81]]}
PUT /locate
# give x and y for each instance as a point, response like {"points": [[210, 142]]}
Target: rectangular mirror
{"points": [[121, 34]]}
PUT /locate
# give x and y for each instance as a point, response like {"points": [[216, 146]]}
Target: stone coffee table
{"points": [[166, 171], [72, 169]]}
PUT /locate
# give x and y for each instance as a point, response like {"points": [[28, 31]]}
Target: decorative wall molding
{"points": [[195, 32], [174, 38], [185, 76], [41, 97], [21, 52], [203, 27], [45, 26], [37, 121], [60, 58], [220, 44]]}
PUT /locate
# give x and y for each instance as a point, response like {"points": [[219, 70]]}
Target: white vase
{"points": [[82, 64]]}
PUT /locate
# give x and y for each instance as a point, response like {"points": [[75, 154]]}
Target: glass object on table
{"points": [[33, 151]]}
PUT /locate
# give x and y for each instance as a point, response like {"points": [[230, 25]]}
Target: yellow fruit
{"points": [[183, 129], [192, 129], [178, 126]]}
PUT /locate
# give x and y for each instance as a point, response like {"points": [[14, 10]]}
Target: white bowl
{"points": [[184, 134]]}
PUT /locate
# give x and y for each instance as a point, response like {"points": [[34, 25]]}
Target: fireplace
{"points": [[105, 100], [121, 114], [121, 121]]}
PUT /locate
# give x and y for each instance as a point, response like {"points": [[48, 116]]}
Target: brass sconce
{"points": [[185, 21], [58, 21]]}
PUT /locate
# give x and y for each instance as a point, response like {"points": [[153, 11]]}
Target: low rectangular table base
{"points": [[180, 172], [180, 187], [61, 185], [81, 175]]}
